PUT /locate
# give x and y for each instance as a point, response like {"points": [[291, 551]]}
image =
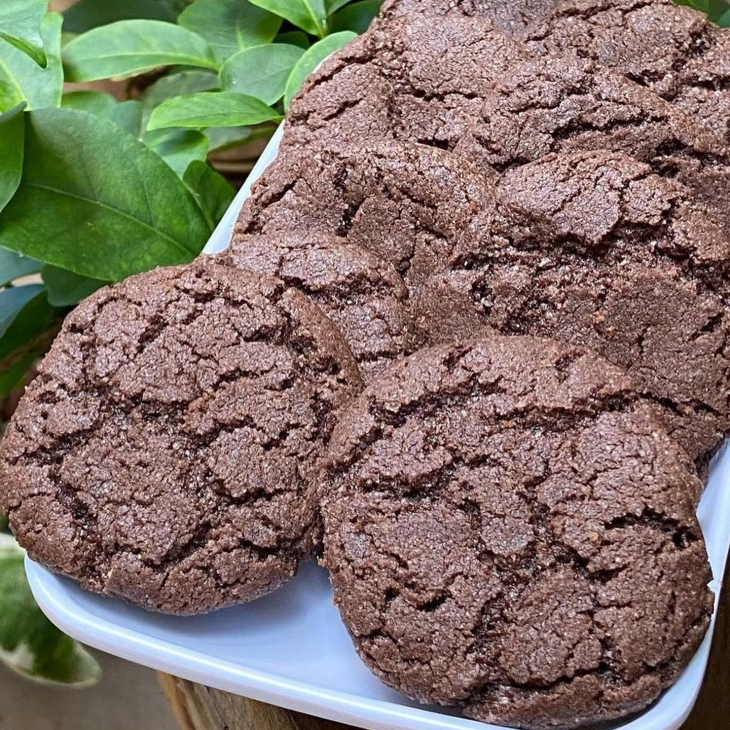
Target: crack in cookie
{"points": [[166, 452]]}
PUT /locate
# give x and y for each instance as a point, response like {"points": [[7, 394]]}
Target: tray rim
{"points": [[57, 603]]}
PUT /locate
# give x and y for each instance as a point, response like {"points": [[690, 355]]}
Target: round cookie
{"points": [[508, 530], [407, 204], [509, 16], [676, 51], [164, 453], [595, 249], [360, 293]]}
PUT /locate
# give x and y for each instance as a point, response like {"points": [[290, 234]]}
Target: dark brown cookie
{"points": [[595, 249], [362, 295], [509, 531], [164, 452], [510, 16], [673, 50], [405, 203]]}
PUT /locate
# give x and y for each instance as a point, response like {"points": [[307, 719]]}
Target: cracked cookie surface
{"points": [[430, 83], [510, 16], [362, 91], [597, 250], [363, 295], [674, 50], [165, 451], [405, 203], [508, 530]]}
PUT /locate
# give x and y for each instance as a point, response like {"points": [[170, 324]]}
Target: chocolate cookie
{"points": [[595, 249], [360, 293], [507, 530], [405, 203], [510, 16], [673, 50], [462, 86], [165, 451]]}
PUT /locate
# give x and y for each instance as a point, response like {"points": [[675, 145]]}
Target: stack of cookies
{"points": [[470, 345]]}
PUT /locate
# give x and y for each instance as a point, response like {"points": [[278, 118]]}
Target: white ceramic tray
{"points": [[291, 649]]}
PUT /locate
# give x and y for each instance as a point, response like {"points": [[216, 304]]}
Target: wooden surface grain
{"points": [[200, 708]]}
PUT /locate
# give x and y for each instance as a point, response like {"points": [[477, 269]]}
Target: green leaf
{"points": [[31, 321], [66, 38], [12, 302], [20, 24], [696, 4], [230, 25], [224, 137], [178, 147], [92, 102], [294, 38], [29, 643], [128, 115], [717, 9], [261, 71], [212, 191], [212, 109], [66, 288], [312, 58], [28, 337], [13, 371], [333, 6], [130, 47], [12, 134], [309, 15], [88, 14], [110, 206], [14, 265], [22, 79], [356, 17], [176, 84]]}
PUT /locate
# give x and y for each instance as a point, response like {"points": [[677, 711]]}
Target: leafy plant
{"points": [[96, 186], [30, 644], [717, 10]]}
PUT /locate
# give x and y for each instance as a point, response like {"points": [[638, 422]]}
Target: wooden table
{"points": [[201, 708]]}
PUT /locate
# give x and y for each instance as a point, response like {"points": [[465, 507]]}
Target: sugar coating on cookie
{"points": [[165, 453], [508, 530], [674, 50], [596, 249], [563, 104], [407, 204], [363, 295]]}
